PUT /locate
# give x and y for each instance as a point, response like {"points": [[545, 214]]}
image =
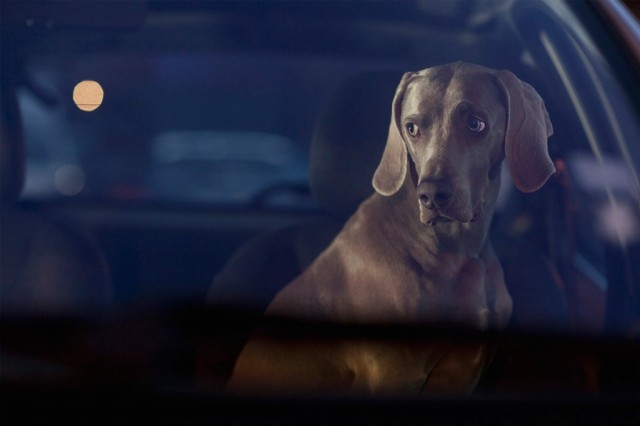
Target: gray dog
{"points": [[416, 251]]}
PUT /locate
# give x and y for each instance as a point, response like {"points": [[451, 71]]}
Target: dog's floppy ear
{"points": [[528, 128], [391, 171]]}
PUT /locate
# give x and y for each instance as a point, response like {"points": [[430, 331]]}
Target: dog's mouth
{"points": [[440, 219], [436, 217]]}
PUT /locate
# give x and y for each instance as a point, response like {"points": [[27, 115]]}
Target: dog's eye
{"points": [[412, 129], [476, 125]]}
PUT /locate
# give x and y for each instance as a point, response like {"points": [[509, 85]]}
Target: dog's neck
{"points": [[463, 239]]}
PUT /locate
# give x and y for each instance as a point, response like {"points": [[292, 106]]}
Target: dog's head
{"points": [[451, 127]]}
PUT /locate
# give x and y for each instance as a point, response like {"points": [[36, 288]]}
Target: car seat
{"points": [[46, 266], [340, 178], [355, 115], [349, 137]]}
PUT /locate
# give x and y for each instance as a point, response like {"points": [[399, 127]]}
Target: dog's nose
{"points": [[435, 194]]}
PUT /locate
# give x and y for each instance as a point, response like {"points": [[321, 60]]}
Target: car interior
{"points": [[141, 242]]}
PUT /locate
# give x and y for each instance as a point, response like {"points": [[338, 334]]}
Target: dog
{"points": [[416, 251]]}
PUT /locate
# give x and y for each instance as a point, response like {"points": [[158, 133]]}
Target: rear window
{"points": [[225, 166], [218, 128]]}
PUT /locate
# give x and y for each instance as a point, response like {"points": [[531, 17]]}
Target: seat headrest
{"points": [[349, 138], [12, 150]]}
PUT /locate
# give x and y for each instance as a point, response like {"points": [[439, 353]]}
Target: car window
{"points": [[204, 153], [214, 128]]}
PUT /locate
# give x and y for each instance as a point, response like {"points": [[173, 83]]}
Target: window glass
{"points": [[210, 127], [223, 166]]}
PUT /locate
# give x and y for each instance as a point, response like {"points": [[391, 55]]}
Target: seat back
{"points": [[347, 144], [45, 266]]}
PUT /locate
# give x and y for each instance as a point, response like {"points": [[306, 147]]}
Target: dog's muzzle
{"points": [[437, 204], [435, 195]]}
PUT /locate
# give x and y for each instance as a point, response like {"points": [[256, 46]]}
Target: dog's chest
{"points": [[448, 289]]}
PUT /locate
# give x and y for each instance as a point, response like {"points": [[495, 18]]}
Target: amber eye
{"points": [[476, 125], [412, 129]]}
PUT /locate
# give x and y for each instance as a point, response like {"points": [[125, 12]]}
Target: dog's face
{"points": [[451, 128]]}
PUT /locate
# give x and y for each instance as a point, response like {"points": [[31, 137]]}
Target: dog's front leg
{"points": [[284, 365]]}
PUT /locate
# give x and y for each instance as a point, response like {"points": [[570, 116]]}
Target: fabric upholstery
{"points": [[48, 268], [348, 141]]}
